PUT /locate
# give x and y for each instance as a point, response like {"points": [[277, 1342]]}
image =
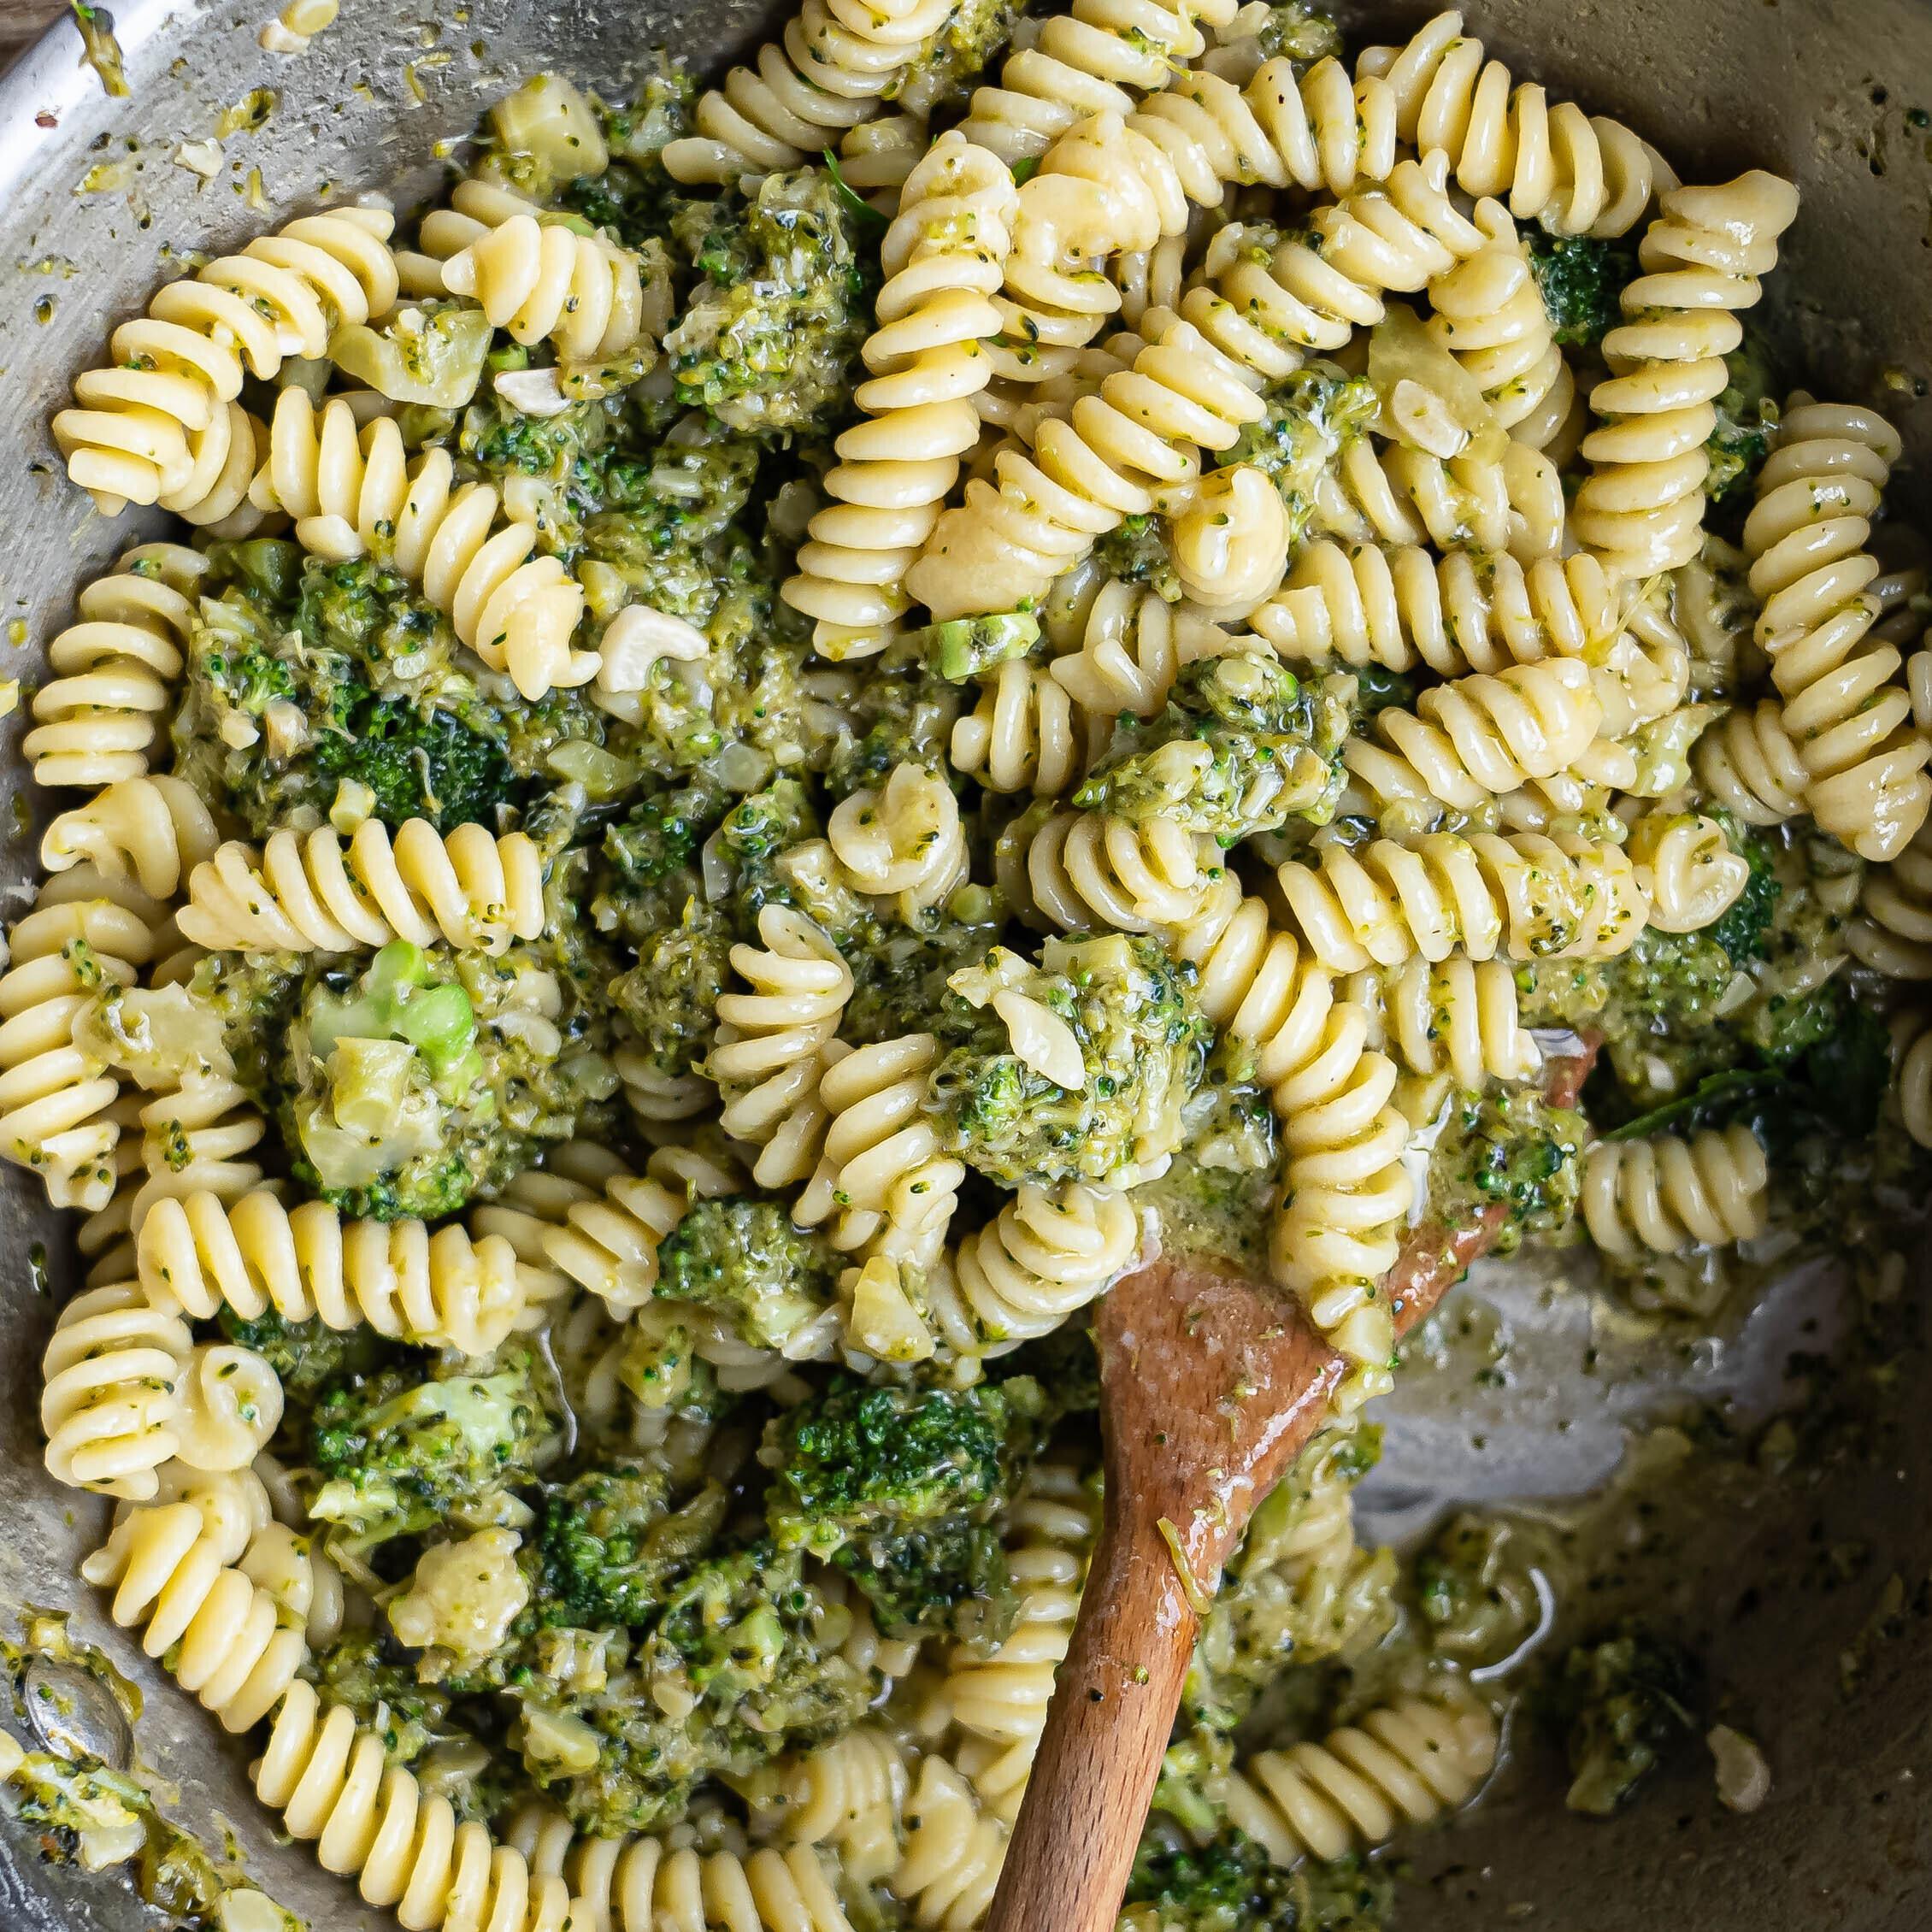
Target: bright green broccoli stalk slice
{"points": [[400, 1451], [1242, 747], [900, 1488], [1627, 1700], [1310, 418], [963, 647], [612, 1544], [1581, 280], [1142, 1043], [743, 1257], [1747, 418]]}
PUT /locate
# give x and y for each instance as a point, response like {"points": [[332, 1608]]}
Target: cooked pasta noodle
{"points": [[151, 830], [1407, 1762], [231, 1404], [1808, 538], [1687, 869], [108, 1406], [299, 1577], [1522, 896], [943, 258], [1085, 870], [1047, 1253], [317, 891], [1893, 933], [440, 1289], [234, 1646], [1667, 1195], [115, 668], [1750, 766], [609, 1243], [1641, 508], [541, 281], [903, 841], [1026, 733], [1489, 315], [953, 1851], [1230, 544], [1133, 644], [1459, 1016], [851, 1793], [161, 424], [1912, 1075]]}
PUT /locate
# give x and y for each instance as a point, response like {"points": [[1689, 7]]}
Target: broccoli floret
{"points": [[1628, 1699], [553, 466], [1311, 418], [416, 764], [306, 1355], [1138, 552], [1242, 747], [402, 1450], [646, 872], [1230, 1885], [1747, 417], [1742, 930], [1581, 280], [766, 341], [899, 1487], [611, 1544], [743, 1257], [1143, 1046], [903, 718], [1507, 1146], [670, 997], [366, 1672]]}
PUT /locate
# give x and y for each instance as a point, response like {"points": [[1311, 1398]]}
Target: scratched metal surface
{"points": [[1819, 88]]}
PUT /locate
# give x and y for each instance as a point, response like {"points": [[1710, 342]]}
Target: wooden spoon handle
{"points": [[1113, 1706]]}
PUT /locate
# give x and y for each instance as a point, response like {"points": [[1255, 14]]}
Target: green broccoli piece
{"points": [[401, 1449], [611, 1544], [1475, 1587], [897, 718], [1242, 747], [1747, 418], [670, 997], [742, 1256], [1507, 1146], [1143, 1044], [306, 1355], [1742, 930], [416, 763], [1230, 1884], [1138, 552], [1581, 280], [366, 1672], [560, 460], [646, 871], [1627, 1699], [963, 647], [1310, 418]]}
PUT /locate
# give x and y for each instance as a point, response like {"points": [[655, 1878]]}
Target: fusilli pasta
{"points": [[1668, 1195], [903, 841], [1026, 733], [108, 1406]]}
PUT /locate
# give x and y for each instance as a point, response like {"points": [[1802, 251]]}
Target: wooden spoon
{"points": [[1210, 1385]]}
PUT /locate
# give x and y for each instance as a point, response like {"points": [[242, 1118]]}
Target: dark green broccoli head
{"points": [[400, 1450], [305, 1355], [742, 1256], [1582, 280], [1747, 418], [1242, 747], [1309, 420], [1229, 1884], [612, 1543], [670, 997], [1507, 1148], [1137, 551], [1741, 932], [949, 1576], [416, 764], [1627, 1699], [554, 465]]}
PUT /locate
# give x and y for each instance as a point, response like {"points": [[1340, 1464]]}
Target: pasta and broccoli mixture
{"points": [[800, 728]]}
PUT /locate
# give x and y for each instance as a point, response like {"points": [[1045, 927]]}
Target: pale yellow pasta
{"points": [[107, 1403], [1703, 258], [1401, 606], [317, 891], [1519, 896], [299, 1577], [1893, 933], [610, 1244], [160, 423], [230, 1405], [198, 1135], [1489, 315], [541, 281], [1474, 740], [1407, 1762], [1046, 1254], [1086, 871], [1026, 733], [902, 841], [943, 258], [1685, 865], [1667, 1195], [114, 669], [850, 1795], [835, 64], [1133, 644], [1230, 543], [878, 156], [1808, 538], [440, 1289], [330, 1781], [353, 492], [953, 1851], [1750, 765], [235, 1647], [1911, 1074], [152, 831], [1459, 1016], [1400, 495]]}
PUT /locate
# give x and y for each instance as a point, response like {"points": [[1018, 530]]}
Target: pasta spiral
{"points": [[1668, 1195], [438, 1289], [943, 258], [769, 1041], [353, 492], [329, 1778], [314, 892], [1133, 644], [1750, 766], [150, 830], [230, 1404], [1480, 736], [1893, 933], [1490, 315], [1575, 174], [1086, 870], [1912, 1075], [114, 670], [1026, 733], [1406, 1763], [160, 423], [171, 1571], [1398, 607], [1687, 868], [903, 841], [1641, 508], [1459, 1016], [108, 1406], [1522, 895], [86, 933], [1048, 1253], [534, 1202], [837, 62], [643, 1884], [851, 1794], [953, 1851], [540, 281], [610, 1244], [1808, 538]]}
